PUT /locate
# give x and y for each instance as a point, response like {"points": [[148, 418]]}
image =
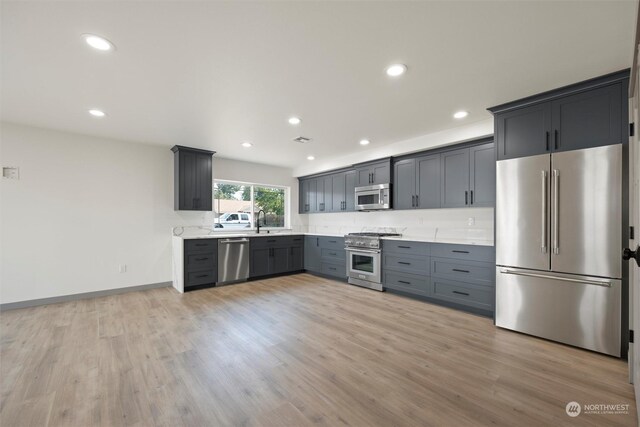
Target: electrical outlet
{"points": [[122, 268], [471, 221], [10, 172]]}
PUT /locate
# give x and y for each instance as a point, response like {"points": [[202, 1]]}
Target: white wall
{"points": [[442, 138], [85, 205]]}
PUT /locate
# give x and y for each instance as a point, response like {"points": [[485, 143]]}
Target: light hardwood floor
{"points": [[291, 351]]}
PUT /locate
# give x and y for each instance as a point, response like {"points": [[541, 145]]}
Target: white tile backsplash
{"points": [[435, 224]]}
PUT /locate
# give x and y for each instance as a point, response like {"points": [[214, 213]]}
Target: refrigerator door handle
{"points": [[556, 211], [564, 279], [544, 212]]}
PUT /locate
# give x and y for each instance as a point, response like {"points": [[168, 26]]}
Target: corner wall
{"points": [[83, 206]]}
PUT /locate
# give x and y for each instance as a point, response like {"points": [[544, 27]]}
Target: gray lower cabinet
{"points": [[325, 255], [459, 276], [276, 255], [200, 262]]}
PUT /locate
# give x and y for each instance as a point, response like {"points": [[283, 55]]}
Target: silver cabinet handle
{"points": [[556, 211], [544, 212], [562, 279]]}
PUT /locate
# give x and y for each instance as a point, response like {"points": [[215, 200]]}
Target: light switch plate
{"points": [[10, 172]]}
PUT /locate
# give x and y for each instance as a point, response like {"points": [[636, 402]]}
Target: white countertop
{"points": [[408, 238]]}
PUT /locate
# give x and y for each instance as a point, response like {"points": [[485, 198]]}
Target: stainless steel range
{"points": [[364, 260]]}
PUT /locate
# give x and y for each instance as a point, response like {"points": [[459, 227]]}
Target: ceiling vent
{"points": [[302, 139]]}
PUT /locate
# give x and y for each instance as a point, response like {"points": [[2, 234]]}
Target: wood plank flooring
{"points": [[290, 351]]}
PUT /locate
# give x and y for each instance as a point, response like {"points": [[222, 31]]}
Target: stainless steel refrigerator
{"points": [[558, 245]]}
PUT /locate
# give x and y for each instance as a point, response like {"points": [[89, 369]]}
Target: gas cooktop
{"points": [[371, 234]]}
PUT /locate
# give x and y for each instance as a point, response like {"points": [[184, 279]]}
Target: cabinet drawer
{"points": [[406, 282], [465, 252], [327, 242], [334, 269], [462, 293], [194, 278], [406, 263], [466, 271], [268, 242], [200, 245], [404, 247], [296, 240], [334, 254], [204, 261]]}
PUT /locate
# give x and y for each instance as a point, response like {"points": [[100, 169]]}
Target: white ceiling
{"points": [[215, 74]]}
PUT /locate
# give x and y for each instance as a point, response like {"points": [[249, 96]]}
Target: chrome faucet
{"points": [[258, 220]]}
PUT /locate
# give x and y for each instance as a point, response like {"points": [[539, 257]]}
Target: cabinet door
{"points": [[588, 119], [338, 190], [428, 182], [454, 174], [319, 192], [404, 187], [204, 182], [296, 259], [324, 194], [260, 262], [187, 181], [312, 253], [381, 173], [302, 196], [350, 191], [279, 260], [312, 195], [524, 132], [482, 185], [364, 176]]}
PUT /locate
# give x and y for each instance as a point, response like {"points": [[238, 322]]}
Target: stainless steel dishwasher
{"points": [[233, 260]]}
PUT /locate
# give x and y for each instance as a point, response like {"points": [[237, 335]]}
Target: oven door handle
{"points": [[368, 251]]}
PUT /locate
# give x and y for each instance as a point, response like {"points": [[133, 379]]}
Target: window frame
{"points": [[252, 185]]}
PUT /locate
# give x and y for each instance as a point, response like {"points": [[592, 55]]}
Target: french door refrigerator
{"points": [[558, 245]]}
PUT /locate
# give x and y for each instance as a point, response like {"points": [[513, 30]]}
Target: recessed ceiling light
{"points": [[247, 144], [294, 120], [97, 113], [461, 114], [396, 70], [310, 158], [98, 42], [364, 142]]}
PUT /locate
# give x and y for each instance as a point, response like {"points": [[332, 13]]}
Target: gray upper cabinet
{"points": [[308, 195], [524, 132], [373, 173], [428, 178], [468, 177], [404, 178], [482, 175], [454, 185], [584, 115], [328, 193], [193, 179], [350, 191], [452, 179], [588, 119]]}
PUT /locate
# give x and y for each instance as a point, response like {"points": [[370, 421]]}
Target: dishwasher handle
{"points": [[227, 241]]}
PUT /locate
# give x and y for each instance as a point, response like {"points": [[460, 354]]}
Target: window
{"points": [[236, 205]]}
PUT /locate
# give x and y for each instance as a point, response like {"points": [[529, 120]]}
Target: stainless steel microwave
{"points": [[373, 197]]}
